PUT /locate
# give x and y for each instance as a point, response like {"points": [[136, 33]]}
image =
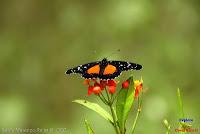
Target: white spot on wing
{"points": [[128, 65], [135, 66]]}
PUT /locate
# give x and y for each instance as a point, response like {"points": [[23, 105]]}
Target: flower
{"points": [[125, 84], [138, 87], [96, 89], [96, 86], [112, 89], [111, 83], [86, 82], [90, 90], [103, 83]]}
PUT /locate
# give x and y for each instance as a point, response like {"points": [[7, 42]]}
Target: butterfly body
{"points": [[104, 69]]}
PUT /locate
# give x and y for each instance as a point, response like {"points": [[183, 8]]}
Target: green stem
{"points": [[112, 112], [136, 119], [109, 103], [107, 95], [114, 119], [114, 97], [137, 115], [103, 99], [167, 126], [181, 113]]}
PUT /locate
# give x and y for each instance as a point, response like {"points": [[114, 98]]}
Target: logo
{"points": [[186, 120], [186, 130], [185, 126]]}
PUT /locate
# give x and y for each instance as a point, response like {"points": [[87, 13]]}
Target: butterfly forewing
{"points": [[81, 68], [125, 66]]}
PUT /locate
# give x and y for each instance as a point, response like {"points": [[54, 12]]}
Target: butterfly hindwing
{"points": [[110, 76]]}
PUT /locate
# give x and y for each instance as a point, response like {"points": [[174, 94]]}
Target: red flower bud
{"points": [[125, 84], [111, 83], [112, 89], [96, 86], [103, 84], [90, 90], [96, 89]]}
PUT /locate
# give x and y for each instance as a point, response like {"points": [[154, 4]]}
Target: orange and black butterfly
{"points": [[104, 69]]}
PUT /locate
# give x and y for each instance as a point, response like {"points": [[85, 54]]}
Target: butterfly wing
{"points": [[125, 66], [114, 68], [89, 70], [111, 70]]}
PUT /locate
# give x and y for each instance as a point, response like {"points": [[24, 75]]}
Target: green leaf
{"points": [[95, 107], [167, 126], [124, 103], [89, 129], [180, 103], [181, 113]]}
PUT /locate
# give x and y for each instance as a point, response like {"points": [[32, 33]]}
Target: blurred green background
{"points": [[40, 40]]}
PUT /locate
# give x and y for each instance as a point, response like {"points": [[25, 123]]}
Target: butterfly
{"points": [[104, 69]]}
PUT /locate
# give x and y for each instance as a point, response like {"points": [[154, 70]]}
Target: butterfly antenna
{"points": [[118, 50]]}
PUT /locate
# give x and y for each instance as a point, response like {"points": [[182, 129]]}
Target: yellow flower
{"points": [[138, 87]]}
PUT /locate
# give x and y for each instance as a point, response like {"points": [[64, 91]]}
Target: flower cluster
{"points": [[116, 100], [97, 86]]}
